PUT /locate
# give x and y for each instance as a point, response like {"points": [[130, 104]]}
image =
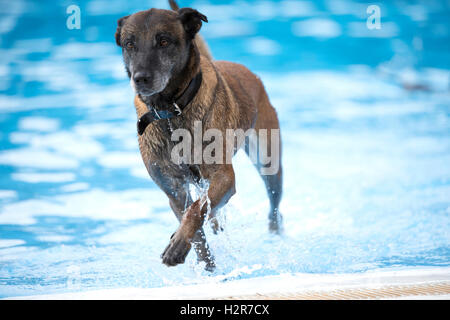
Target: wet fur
{"points": [[230, 97]]}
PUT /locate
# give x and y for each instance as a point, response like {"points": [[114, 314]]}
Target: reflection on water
{"points": [[365, 127]]}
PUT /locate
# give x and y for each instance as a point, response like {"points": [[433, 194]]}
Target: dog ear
{"points": [[174, 5], [191, 20], [119, 28]]}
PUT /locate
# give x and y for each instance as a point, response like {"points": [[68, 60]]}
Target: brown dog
{"points": [[178, 85]]}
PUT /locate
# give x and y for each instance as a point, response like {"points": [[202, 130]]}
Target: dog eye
{"points": [[163, 42], [129, 45]]}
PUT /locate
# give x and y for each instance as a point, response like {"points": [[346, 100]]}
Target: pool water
{"points": [[365, 125]]}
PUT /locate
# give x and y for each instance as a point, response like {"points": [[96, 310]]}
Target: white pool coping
{"points": [[424, 283]]}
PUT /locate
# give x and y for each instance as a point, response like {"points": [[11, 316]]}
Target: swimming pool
{"points": [[365, 120]]}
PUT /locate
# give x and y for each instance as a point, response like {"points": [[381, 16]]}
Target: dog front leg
{"points": [[179, 204], [221, 188]]}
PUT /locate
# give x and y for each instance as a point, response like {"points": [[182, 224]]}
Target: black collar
{"points": [[178, 105]]}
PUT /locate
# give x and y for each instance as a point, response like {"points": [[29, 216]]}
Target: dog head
{"points": [[155, 45]]}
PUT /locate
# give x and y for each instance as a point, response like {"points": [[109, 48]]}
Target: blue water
{"points": [[366, 161]]}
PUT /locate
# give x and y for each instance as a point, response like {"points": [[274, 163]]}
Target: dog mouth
{"points": [[145, 92]]}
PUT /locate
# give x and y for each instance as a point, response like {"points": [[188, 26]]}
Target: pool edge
{"points": [[414, 283]]}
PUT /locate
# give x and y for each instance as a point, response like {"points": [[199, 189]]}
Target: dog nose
{"points": [[141, 78]]}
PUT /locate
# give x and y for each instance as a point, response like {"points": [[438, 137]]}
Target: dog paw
{"points": [[177, 250], [276, 224], [210, 266]]}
